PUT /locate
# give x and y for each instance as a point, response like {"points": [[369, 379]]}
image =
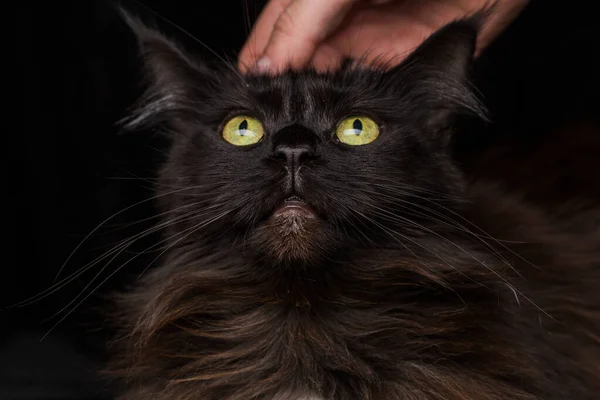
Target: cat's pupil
{"points": [[243, 125], [357, 126]]}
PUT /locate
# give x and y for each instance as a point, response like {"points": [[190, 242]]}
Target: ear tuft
{"points": [[173, 80], [436, 75]]}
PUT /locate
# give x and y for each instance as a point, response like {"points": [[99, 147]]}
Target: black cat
{"points": [[321, 243]]}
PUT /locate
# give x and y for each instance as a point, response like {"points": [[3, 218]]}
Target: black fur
{"points": [[413, 282]]}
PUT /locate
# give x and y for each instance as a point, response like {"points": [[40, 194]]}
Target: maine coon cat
{"points": [[321, 243]]}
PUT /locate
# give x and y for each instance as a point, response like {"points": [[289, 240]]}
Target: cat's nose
{"points": [[294, 145], [293, 155]]}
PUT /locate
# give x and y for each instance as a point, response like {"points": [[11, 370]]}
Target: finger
{"points": [[326, 58], [299, 30], [260, 34]]}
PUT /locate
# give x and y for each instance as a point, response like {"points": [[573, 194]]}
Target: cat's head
{"points": [[295, 167]]}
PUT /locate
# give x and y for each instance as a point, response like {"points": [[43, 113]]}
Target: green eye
{"points": [[356, 131], [243, 131]]}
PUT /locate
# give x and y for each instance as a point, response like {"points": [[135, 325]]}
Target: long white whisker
{"points": [[504, 280], [446, 221], [191, 231], [118, 249], [454, 213], [105, 221]]}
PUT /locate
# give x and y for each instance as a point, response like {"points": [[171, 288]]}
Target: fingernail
{"points": [[263, 64]]}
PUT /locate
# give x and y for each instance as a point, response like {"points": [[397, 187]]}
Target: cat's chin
{"points": [[294, 232]]}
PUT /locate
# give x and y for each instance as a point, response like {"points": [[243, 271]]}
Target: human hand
{"points": [[297, 33]]}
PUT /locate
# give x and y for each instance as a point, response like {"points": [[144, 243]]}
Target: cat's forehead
{"points": [[306, 96]]}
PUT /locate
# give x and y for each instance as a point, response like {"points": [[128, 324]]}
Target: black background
{"points": [[76, 72]]}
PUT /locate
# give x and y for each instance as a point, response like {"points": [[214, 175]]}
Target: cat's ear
{"points": [[435, 77], [175, 83]]}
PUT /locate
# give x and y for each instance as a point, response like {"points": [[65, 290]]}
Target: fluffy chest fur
{"points": [[381, 328]]}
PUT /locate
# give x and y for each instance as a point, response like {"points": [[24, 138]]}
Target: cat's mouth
{"points": [[295, 198], [295, 208]]}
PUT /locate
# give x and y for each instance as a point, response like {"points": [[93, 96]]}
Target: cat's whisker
{"points": [[397, 218], [461, 228], [458, 227], [360, 221], [386, 214], [152, 198], [65, 281], [112, 259], [388, 230], [446, 220], [485, 234], [154, 182], [498, 275], [155, 216], [482, 233], [391, 185], [118, 248], [149, 179], [191, 231], [181, 218], [394, 235]]}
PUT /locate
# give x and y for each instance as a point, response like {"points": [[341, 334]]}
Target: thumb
{"points": [[300, 28]]}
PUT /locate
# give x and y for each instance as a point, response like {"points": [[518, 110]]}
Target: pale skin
{"points": [[321, 33]]}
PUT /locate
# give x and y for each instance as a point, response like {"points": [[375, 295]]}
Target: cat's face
{"points": [[295, 167]]}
